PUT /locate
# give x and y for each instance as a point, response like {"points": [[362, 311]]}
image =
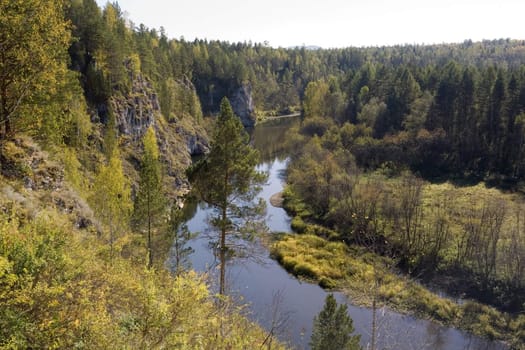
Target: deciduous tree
{"points": [[34, 38], [111, 199], [149, 203]]}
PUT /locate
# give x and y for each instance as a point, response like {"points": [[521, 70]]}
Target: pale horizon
{"points": [[331, 23]]}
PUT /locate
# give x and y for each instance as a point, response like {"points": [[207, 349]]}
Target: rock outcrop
{"points": [[22, 161], [242, 104], [136, 111], [197, 144], [179, 139]]}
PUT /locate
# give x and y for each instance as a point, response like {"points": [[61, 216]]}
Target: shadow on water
{"points": [[276, 297], [270, 138]]}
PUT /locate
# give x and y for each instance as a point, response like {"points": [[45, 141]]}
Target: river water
{"points": [[275, 297]]}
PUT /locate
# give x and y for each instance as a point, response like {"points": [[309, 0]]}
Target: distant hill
{"points": [[309, 47]]}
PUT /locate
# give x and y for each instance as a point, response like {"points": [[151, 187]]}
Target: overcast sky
{"points": [[332, 23]]}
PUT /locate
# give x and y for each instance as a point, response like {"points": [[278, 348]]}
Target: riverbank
{"points": [[365, 276], [277, 200], [277, 117]]}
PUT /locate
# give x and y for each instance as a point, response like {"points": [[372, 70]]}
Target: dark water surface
{"points": [[270, 290]]}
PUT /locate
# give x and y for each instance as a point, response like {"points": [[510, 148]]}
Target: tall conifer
{"points": [[227, 179]]}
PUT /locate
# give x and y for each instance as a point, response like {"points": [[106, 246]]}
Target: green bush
{"points": [[298, 225], [327, 283], [306, 270]]}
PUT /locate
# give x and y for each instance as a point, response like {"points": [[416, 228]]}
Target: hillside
{"points": [[73, 265], [100, 120]]}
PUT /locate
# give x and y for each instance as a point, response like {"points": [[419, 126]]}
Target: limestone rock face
{"points": [[243, 105], [137, 111], [197, 144], [179, 138]]}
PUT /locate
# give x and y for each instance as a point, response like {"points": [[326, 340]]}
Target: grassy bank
{"points": [[361, 274]]}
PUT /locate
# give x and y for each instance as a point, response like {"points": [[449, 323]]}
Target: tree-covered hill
{"points": [[467, 98], [90, 101]]}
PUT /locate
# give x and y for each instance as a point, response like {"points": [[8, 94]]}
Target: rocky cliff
{"points": [[243, 105], [137, 111], [179, 139]]}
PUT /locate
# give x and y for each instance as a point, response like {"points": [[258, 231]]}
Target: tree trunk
{"points": [[7, 127], [222, 257], [374, 314], [150, 251], [222, 252]]}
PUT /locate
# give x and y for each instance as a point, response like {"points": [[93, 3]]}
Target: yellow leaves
{"points": [[135, 63], [72, 170], [35, 38], [150, 144], [56, 292], [315, 99], [7, 278]]}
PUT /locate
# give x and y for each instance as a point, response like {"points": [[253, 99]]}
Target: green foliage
{"points": [[462, 116], [335, 265], [57, 292], [298, 225], [59, 287], [228, 171], [33, 71], [149, 201], [111, 199], [333, 328], [226, 179], [178, 100], [314, 104], [72, 170]]}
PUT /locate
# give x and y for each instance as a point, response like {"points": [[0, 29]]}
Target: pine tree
{"points": [[333, 328], [227, 179], [149, 203]]}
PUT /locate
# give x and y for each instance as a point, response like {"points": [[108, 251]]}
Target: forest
{"points": [[410, 157]]}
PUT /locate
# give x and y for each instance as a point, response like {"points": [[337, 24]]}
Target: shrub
{"points": [[306, 270], [298, 225], [327, 283]]}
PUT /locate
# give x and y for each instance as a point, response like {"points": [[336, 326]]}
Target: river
{"points": [[276, 297]]}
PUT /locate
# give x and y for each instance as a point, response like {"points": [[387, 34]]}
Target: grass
{"points": [[336, 266]]}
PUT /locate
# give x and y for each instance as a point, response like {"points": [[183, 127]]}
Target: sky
{"points": [[331, 23]]}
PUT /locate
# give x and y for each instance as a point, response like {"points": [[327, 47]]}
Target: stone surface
{"points": [[243, 105], [137, 111], [179, 139]]}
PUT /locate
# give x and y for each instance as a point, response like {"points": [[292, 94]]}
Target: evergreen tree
{"points": [[149, 202], [227, 179], [333, 328]]}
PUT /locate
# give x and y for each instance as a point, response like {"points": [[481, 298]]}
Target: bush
{"points": [[327, 283], [306, 270], [298, 225]]}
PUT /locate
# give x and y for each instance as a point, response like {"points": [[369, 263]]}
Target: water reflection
{"points": [[273, 294], [271, 137]]}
